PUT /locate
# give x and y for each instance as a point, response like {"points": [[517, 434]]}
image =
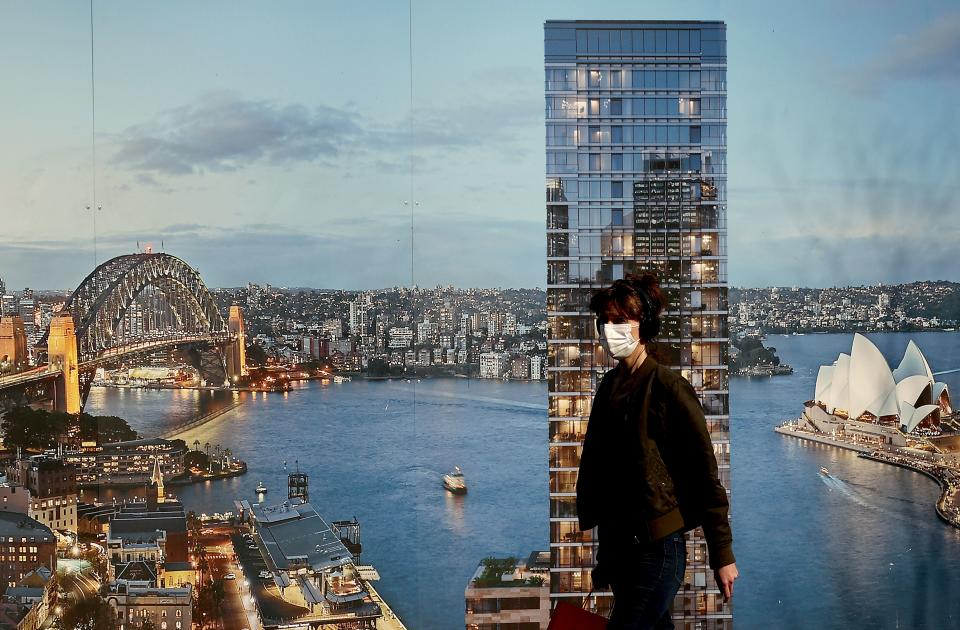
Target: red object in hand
{"points": [[566, 616]]}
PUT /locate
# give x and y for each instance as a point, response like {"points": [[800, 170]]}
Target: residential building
{"points": [[167, 608], [128, 463], [25, 544], [52, 484], [508, 593], [493, 364]]}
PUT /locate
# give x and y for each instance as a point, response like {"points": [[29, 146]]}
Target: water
{"points": [[812, 552], [368, 455], [861, 549]]}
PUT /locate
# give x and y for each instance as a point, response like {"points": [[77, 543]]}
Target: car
{"points": [[230, 576]]}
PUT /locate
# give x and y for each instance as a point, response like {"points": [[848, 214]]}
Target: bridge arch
{"points": [[164, 289]]}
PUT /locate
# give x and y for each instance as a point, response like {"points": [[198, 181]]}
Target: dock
{"points": [[823, 439], [390, 620]]}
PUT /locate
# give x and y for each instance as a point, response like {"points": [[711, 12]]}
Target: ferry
{"points": [[454, 481], [824, 471], [261, 489]]}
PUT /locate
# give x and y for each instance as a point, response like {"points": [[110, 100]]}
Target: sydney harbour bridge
{"points": [[128, 308]]}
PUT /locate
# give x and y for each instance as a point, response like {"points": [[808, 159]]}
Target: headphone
{"points": [[649, 322]]}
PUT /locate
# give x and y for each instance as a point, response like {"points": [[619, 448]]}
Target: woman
{"points": [[647, 471]]}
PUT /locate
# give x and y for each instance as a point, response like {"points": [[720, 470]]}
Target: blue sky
{"points": [[269, 142]]}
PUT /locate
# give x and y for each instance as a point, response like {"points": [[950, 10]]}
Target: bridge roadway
{"points": [[45, 373], [36, 375], [152, 345]]}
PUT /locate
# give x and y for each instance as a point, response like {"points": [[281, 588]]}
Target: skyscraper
{"points": [[636, 181]]}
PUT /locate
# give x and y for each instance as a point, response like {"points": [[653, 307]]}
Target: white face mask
{"points": [[617, 340]]}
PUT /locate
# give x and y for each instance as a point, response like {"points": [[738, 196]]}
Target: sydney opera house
{"points": [[861, 398]]}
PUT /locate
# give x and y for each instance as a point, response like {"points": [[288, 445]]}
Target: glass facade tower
{"points": [[636, 181]]}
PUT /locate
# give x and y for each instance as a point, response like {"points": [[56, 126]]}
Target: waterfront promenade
{"points": [[945, 471]]}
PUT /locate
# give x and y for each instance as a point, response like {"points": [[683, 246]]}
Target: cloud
{"points": [[224, 132], [933, 52]]}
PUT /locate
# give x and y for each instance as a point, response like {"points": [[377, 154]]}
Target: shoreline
{"points": [[887, 457], [180, 480]]}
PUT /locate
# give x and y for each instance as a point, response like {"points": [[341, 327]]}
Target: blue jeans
{"points": [[643, 594]]}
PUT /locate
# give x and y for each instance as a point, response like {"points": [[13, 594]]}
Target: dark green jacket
{"points": [[652, 471]]}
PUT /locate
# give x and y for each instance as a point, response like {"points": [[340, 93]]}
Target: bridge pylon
{"points": [[63, 355], [237, 350]]}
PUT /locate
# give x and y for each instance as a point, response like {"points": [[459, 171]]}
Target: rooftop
{"points": [[294, 534], [17, 524]]}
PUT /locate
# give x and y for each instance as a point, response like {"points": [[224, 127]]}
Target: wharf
{"points": [[823, 439], [389, 620]]}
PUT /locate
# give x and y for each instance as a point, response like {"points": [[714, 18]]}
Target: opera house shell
{"points": [[861, 387]]}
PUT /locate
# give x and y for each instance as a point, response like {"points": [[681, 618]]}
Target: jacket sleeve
{"points": [[587, 473], [689, 428]]}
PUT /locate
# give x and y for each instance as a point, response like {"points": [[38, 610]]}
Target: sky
{"points": [[270, 142]]}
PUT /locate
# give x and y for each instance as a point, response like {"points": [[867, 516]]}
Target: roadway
{"points": [[76, 587], [238, 611], [29, 376], [267, 595]]}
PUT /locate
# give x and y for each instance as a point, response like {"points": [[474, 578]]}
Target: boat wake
{"points": [[833, 483], [881, 505], [485, 399]]}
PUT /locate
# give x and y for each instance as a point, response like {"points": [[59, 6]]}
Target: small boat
{"points": [[261, 489], [454, 481], [824, 471]]}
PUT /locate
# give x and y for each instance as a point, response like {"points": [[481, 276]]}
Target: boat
{"points": [[454, 481], [261, 489], [824, 471]]}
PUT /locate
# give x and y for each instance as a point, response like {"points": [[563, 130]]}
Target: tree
{"points": [[210, 600], [35, 428], [103, 429], [378, 367], [88, 613], [256, 355], [196, 445]]}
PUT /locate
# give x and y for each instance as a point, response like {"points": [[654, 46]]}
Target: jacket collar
{"points": [[645, 369]]}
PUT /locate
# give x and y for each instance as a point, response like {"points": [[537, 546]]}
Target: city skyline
{"points": [[234, 152]]}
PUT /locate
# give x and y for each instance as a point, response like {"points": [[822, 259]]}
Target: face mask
{"points": [[617, 340]]}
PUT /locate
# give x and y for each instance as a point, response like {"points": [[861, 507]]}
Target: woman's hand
{"points": [[725, 577]]}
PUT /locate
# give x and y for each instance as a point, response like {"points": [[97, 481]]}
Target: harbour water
{"points": [[862, 548], [377, 450]]}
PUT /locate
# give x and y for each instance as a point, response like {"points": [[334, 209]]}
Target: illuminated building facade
{"points": [[636, 181]]}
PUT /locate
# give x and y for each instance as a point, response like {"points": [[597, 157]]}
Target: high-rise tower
{"points": [[636, 181]]}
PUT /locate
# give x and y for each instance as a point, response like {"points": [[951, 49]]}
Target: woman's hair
{"points": [[630, 298]]}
